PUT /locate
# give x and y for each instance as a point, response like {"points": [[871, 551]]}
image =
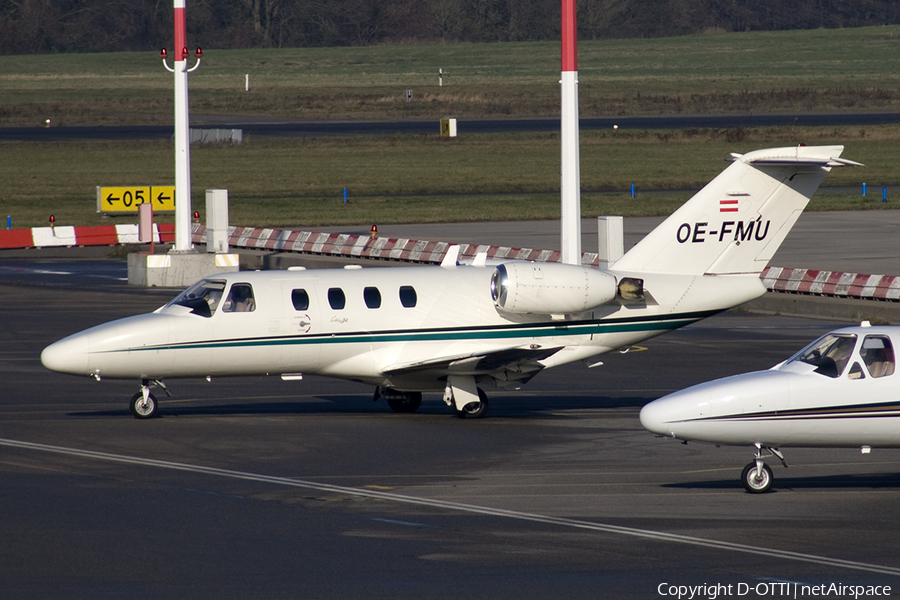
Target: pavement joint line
{"points": [[456, 506]]}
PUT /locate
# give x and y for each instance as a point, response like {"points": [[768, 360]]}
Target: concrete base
{"points": [[177, 270], [849, 311]]}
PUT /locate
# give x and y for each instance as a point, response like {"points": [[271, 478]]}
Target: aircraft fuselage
{"points": [[360, 323]]}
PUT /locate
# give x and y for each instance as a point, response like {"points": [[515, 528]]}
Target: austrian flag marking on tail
{"points": [[728, 206]]}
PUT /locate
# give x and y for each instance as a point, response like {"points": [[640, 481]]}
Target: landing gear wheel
{"points": [[474, 410], [407, 403], [141, 409], [754, 484]]}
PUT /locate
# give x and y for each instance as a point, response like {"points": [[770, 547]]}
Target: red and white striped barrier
{"points": [[102, 235], [831, 283], [364, 246]]}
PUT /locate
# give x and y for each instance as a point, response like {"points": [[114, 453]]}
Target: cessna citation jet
{"points": [[460, 328], [841, 391]]}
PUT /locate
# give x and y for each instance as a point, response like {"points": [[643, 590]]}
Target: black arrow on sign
{"points": [[162, 197], [111, 198]]}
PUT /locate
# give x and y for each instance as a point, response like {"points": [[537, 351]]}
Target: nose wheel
{"points": [[143, 404], [143, 407], [757, 476]]}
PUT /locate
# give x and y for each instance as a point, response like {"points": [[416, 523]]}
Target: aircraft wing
{"points": [[506, 364]]}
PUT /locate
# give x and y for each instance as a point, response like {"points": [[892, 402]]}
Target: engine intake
{"points": [[550, 288]]}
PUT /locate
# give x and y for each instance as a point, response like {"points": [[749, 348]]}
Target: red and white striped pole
{"points": [[182, 136], [570, 184]]}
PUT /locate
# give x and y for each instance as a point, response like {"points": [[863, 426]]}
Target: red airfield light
{"points": [[199, 53], [196, 216], [185, 53], [374, 230], [162, 54], [52, 220]]}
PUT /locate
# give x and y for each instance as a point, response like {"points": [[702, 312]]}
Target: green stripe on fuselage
{"points": [[498, 332]]}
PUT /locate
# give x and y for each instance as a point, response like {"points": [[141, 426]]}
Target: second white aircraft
{"points": [[461, 328], [840, 391]]}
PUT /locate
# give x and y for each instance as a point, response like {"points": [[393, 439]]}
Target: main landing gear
{"points": [[473, 410], [461, 393], [401, 402], [757, 476], [467, 399], [143, 404]]}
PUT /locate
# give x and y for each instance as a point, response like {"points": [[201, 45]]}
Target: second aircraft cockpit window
{"points": [[829, 354], [202, 298], [878, 354]]}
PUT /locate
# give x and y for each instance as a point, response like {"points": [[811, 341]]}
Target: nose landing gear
{"points": [[757, 476], [143, 404]]}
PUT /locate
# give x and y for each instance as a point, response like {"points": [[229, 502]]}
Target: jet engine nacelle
{"points": [[552, 288]]}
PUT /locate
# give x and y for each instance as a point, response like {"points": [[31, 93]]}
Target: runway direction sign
{"points": [[126, 199]]}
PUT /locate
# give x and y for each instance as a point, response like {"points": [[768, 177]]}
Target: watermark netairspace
{"points": [[780, 589]]}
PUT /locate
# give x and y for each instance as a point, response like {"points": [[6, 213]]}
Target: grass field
{"points": [[818, 70], [296, 182], [299, 182]]}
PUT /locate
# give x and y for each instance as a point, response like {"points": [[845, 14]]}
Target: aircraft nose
{"points": [[665, 415], [655, 418], [69, 355]]}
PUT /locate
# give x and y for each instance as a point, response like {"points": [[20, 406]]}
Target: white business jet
{"points": [[841, 391], [461, 328]]}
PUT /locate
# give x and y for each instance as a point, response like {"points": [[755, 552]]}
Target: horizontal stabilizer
{"points": [[761, 157]]}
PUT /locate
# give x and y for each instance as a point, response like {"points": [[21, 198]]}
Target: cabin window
{"points": [[829, 354], [300, 299], [240, 299], [408, 296], [878, 354], [336, 298], [202, 298], [856, 372], [372, 297]]}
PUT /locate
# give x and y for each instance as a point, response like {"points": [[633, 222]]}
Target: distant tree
{"points": [[32, 26], [448, 19]]}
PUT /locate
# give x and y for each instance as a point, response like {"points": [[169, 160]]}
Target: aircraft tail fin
{"points": [[737, 222]]}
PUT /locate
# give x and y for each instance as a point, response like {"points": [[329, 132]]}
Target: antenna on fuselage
{"points": [[570, 174]]}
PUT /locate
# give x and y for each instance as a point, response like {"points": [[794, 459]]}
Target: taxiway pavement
{"points": [[259, 488]]}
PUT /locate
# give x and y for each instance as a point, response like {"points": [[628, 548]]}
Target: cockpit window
{"points": [[878, 354], [829, 354], [240, 299], [202, 298]]}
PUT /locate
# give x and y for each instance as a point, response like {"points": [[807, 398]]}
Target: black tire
{"points": [[474, 410], [407, 403], [142, 410], [754, 484]]}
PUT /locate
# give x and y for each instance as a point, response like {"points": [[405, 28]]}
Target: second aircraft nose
{"points": [[653, 418]]}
